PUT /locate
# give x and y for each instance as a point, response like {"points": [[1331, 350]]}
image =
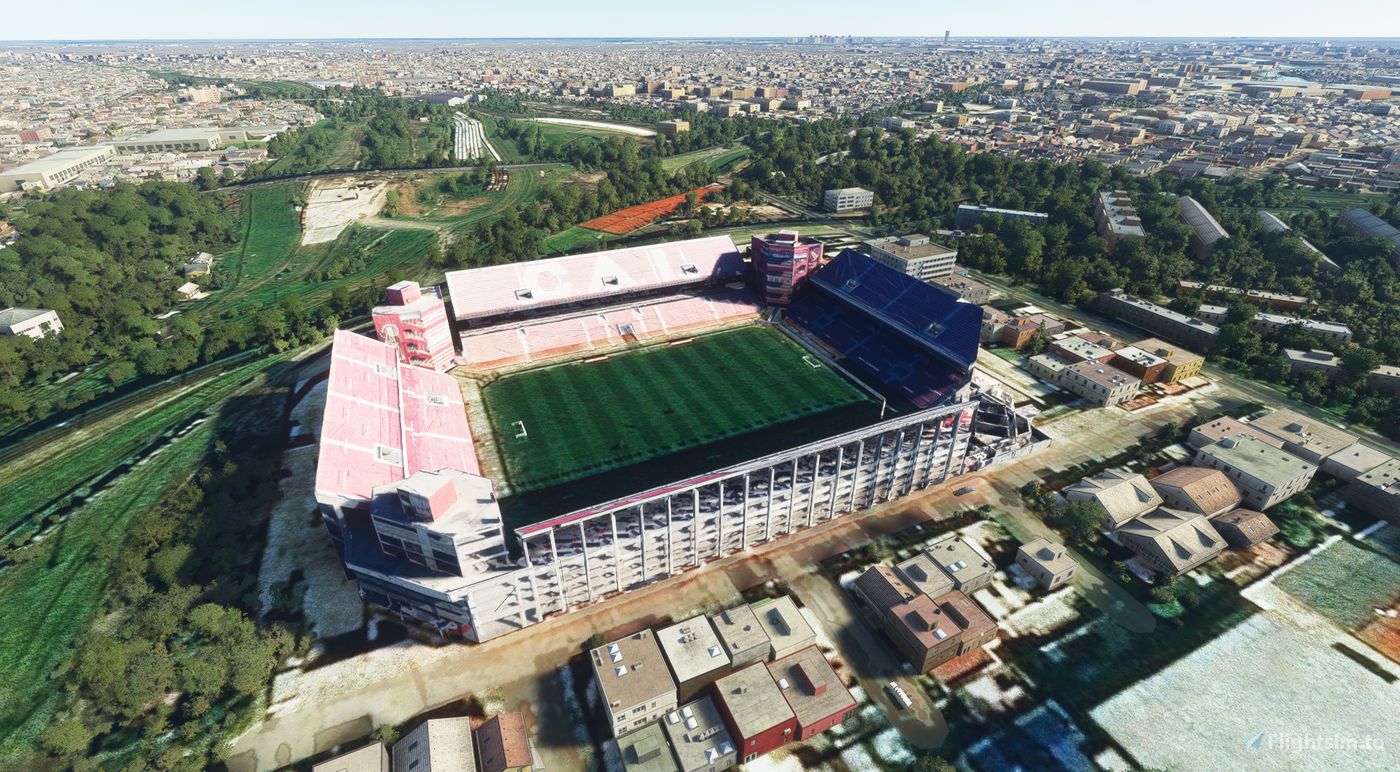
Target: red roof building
{"points": [[758, 715], [415, 323], [813, 690]]}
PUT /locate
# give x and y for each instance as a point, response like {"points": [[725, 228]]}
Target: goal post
{"points": [[522, 433]]}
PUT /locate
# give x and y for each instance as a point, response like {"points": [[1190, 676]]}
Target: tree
{"points": [[931, 763], [1081, 517], [385, 733], [66, 737]]}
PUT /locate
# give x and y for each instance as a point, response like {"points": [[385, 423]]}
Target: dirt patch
{"points": [[333, 205], [586, 180]]}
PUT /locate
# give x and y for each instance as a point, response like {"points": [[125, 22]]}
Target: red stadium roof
{"points": [[385, 420], [502, 288]]}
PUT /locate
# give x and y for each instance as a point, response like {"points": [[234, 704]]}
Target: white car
{"points": [[901, 699]]}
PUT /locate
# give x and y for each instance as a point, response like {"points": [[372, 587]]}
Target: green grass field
{"points": [[1345, 583], [717, 157], [583, 419]]}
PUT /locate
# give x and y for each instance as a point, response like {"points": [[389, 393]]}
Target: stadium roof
{"points": [[500, 289], [384, 420], [934, 319]]}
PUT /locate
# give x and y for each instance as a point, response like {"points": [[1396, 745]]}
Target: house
{"points": [[646, 750], [1220, 428], [199, 265], [1047, 562], [932, 631], [34, 322], [1377, 492], [699, 737], [634, 681], [993, 322], [787, 630], [1206, 492], [743, 638], [969, 569], [187, 290], [437, 745], [1171, 541], [1264, 474], [1307, 438], [695, 655], [371, 758], [883, 588], [813, 691], [503, 745], [1244, 528], [1018, 332], [924, 575], [758, 716], [1120, 495]]}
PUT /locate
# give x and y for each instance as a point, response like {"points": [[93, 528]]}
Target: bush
{"points": [[1163, 594]]}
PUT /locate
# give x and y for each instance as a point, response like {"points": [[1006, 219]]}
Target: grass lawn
{"points": [[583, 419], [1345, 583], [716, 157], [572, 238]]}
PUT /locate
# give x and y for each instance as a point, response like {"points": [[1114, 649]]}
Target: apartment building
{"points": [[699, 737], [1047, 562], [695, 655], [634, 682], [1307, 438], [1181, 364], [1264, 474], [1116, 218], [916, 256], [813, 691], [1205, 492], [503, 744], [846, 199], [758, 716], [34, 322], [1103, 385], [1159, 320], [1170, 541], [441, 744], [414, 321], [931, 631], [744, 640], [968, 215], [1121, 496], [1244, 528], [371, 758]]}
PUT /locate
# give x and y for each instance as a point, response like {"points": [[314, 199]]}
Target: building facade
{"points": [[781, 264], [916, 256], [415, 323], [968, 215], [1103, 385], [1159, 320], [634, 682], [932, 631], [846, 199], [754, 709]]}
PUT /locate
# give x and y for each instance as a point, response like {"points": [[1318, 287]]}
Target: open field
{"points": [[716, 157], [586, 418], [344, 155], [1345, 583], [124, 463]]}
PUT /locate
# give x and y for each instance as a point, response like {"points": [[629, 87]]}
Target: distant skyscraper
{"points": [[946, 33]]}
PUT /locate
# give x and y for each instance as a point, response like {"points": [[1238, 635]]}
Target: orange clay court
{"points": [[629, 220]]}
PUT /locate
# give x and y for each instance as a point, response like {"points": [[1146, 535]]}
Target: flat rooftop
{"points": [[783, 623], [754, 699], [631, 670], [738, 629], [692, 648], [1258, 459], [812, 688], [1293, 427]]}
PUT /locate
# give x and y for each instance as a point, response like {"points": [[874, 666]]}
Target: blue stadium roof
{"points": [[930, 317]]}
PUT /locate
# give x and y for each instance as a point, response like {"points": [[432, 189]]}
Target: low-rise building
{"points": [[1220, 428], [813, 691], [56, 169], [1349, 464], [441, 744], [1244, 528], [646, 750], [1307, 438], [741, 635], [503, 744], [882, 588], [1181, 364], [1047, 366], [931, 631], [1117, 219], [1078, 348], [1159, 320], [967, 289], [1205, 492], [1103, 385], [1171, 541], [695, 655], [847, 199], [1264, 474], [1018, 332], [1205, 230], [968, 215], [34, 322], [758, 716], [1325, 362], [787, 630], [699, 737], [916, 256], [1143, 365], [1377, 492], [672, 128], [1121, 496], [634, 682], [1047, 562], [371, 758], [993, 322], [969, 569], [925, 576]]}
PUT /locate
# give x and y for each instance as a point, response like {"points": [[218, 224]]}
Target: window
{"points": [[415, 762], [413, 745]]}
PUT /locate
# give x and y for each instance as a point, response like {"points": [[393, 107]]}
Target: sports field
{"points": [[580, 419]]}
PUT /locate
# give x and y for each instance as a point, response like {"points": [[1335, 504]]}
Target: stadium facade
{"points": [[414, 321], [782, 262], [417, 524]]}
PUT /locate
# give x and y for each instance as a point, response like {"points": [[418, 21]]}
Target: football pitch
{"points": [[579, 419]]}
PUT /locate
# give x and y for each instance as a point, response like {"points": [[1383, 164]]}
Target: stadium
{"points": [[632, 414]]}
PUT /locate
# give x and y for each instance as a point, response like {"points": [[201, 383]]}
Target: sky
{"points": [[319, 19]]}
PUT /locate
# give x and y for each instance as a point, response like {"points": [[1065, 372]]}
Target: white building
{"points": [[56, 169], [848, 200], [917, 256], [34, 322]]}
